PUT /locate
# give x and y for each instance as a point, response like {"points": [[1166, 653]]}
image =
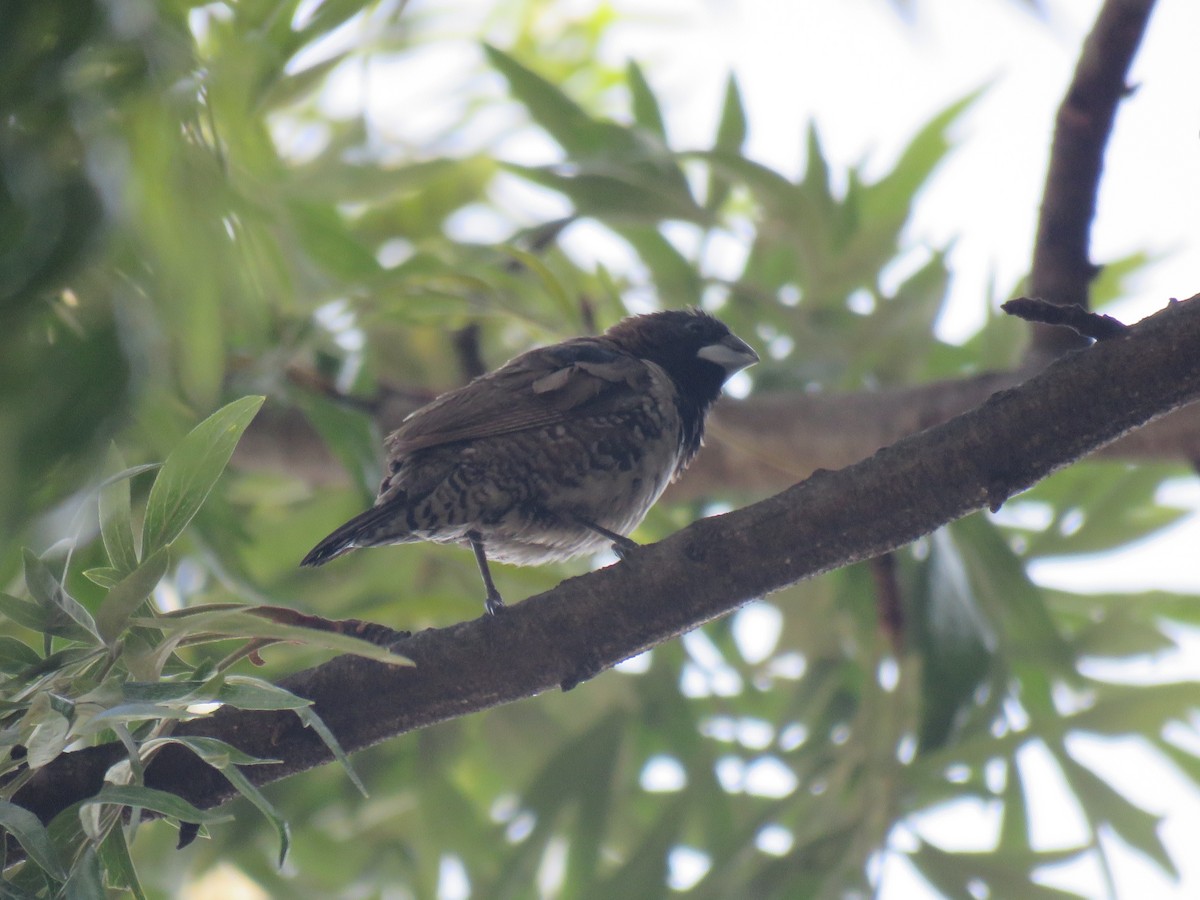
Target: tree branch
{"points": [[588, 624], [1062, 270]]}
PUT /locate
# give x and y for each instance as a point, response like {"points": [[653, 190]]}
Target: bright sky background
{"points": [[870, 79]]}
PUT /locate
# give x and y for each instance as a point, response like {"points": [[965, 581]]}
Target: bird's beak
{"points": [[731, 353]]}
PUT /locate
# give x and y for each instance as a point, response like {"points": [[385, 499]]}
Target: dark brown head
{"points": [[698, 351]]}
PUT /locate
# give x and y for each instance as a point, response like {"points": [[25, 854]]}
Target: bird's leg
{"points": [[621, 544], [493, 603]]}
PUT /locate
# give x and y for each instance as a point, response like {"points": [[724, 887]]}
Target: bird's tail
{"points": [[361, 531]]}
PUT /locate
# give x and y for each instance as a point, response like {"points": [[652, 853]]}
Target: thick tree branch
{"points": [[1062, 270], [588, 624]]}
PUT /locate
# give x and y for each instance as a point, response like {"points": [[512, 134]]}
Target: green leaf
{"points": [[64, 615], [675, 278], [216, 753], [236, 621], [620, 195], [129, 713], [118, 865], [565, 120], [33, 836], [29, 615], [162, 802], [731, 130], [125, 598], [1014, 826], [902, 326], [1142, 709], [294, 87], [310, 718], [1120, 634], [553, 286], [1007, 875], [16, 656], [731, 135], [86, 881], [646, 111], [1101, 506], [1013, 604], [777, 194], [245, 692], [337, 181], [647, 864], [226, 758], [890, 199], [330, 242], [349, 435], [191, 470], [116, 518], [105, 576], [1100, 803], [955, 639], [255, 796], [44, 730]]}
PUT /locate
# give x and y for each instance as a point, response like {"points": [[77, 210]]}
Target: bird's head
{"points": [[697, 350]]}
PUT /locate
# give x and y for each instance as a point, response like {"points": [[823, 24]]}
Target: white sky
{"points": [[870, 81]]}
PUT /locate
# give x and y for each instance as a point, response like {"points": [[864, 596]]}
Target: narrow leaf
{"points": [[63, 611], [1100, 802], [310, 718], [565, 120], [255, 796], [32, 835], [731, 135], [225, 623], [30, 615], [216, 753], [731, 130], [116, 518], [86, 881], [646, 111], [124, 599], [245, 692], [162, 802], [16, 656], [118, 864], [192, 469], [105, 576]]}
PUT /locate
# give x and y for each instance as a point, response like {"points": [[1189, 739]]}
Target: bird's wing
{"points": [[542, 387]]}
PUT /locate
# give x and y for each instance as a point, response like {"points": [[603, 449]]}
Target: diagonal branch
{"points": [[587, 624], [1062, 270]]}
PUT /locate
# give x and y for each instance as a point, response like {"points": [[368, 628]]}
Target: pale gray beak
{"points": [[731, 353]]}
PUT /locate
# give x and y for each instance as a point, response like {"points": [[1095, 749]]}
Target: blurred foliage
{"points": [[191, 210]]}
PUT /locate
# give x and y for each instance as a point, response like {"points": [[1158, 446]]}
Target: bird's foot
{"points": [[494, 604], [623, 546]]}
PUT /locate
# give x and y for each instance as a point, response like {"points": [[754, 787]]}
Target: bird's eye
{"points": [[694, 326]]}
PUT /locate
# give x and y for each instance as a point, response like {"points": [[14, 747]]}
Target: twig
{"points": [[1062, 271], [1093, 326]]}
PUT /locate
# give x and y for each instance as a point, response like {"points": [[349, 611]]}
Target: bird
{"points": [[559, 452]]}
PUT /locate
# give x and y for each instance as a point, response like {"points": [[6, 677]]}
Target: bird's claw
{"points": [[624, 546], [494, 604]]}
